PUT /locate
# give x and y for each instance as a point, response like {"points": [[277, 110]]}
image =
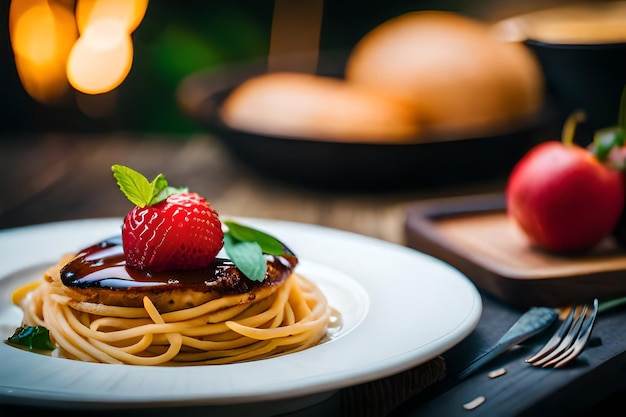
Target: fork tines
{"points": [[570, 338]]}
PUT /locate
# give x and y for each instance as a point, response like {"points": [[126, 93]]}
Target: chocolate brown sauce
{"points": [[103, 265]]}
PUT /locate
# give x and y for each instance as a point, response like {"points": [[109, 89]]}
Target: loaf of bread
{"points": [[451, 70], [299, 105]]}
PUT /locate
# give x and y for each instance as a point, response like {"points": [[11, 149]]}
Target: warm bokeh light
{"points": [[101, 58], [129, 12], [42, 34], [45, 83], [33, 34], [50, 56], [17, 9]]}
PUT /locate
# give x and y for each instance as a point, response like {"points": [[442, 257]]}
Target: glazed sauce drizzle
{"points": [[103, 265]]}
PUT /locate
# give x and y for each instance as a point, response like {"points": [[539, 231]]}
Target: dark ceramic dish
{"points": [[353, 166], [588, 77]]}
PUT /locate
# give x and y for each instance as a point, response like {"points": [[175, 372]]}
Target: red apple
{"points": [[563, 196]]}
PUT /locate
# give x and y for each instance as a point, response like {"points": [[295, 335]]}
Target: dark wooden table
{"points": [[61, 177], [64, 177]]}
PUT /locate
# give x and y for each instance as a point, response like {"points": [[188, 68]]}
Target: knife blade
{"points": [[528, 325]]}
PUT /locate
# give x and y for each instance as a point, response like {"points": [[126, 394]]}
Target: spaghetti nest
{"points": [[292, 317]]}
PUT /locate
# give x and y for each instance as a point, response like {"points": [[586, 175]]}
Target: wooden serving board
{"points": [[475, 235]]}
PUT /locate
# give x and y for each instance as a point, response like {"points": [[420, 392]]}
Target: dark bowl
{"points": [[588, 77], [349, 165]]}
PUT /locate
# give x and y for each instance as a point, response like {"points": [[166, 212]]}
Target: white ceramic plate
{"points": [[400, 309]]}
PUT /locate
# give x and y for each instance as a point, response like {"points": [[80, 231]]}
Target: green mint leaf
{"points": [[245, 246], [32, 337], [166, 192], [247, 256], [139, 191], [268, 244], [133, 185], [159, 185]]}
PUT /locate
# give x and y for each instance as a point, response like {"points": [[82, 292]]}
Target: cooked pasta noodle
{"points": [[225, 330]]}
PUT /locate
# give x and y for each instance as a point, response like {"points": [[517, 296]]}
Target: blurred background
{"points": [[170, 42], [88, 83]]}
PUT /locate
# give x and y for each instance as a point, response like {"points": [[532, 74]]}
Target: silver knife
{"points": [[528, 325]]}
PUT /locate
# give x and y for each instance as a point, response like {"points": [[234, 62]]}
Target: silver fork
{"points": [[570, 339]]}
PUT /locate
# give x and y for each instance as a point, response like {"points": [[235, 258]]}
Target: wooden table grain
{"points": [[65, 177]]}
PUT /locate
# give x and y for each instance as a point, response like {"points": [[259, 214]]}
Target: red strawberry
{"points": [[169, 229], [182, 232]]}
